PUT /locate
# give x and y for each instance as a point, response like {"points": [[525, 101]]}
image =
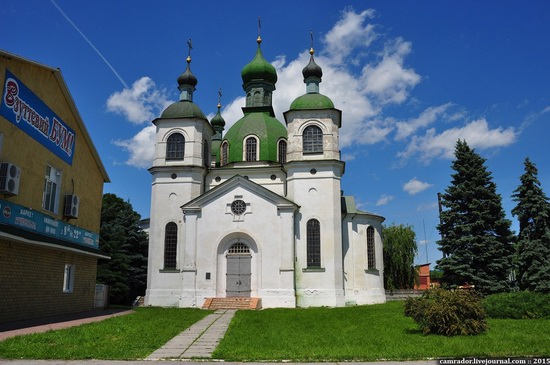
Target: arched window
{"points": [[282, 151], [175, 147], [225, 153], [312, 139], [170, 245], [313, 243], [371, 257], [251, 152], [239, 248], [206, 153]]}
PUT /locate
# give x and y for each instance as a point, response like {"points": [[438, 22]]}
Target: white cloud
{"points": [[389, 81], [139, 104], [141, 147], [427, 117], [349, 33], [415, 186], [476, 133], [384, 199]]}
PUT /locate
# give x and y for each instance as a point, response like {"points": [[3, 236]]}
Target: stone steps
{"points": [[232, 303]]}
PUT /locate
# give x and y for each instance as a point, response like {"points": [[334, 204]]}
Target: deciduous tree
{"points": [[399, 251]]}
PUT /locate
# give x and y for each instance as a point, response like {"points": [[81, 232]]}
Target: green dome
{"points": [[312, 101], [218, 120], [259, 69], [182, 109], [268, 130]]}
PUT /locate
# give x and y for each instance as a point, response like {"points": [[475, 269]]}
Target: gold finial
{"points": [[259, 39], [311, 50], [190, 47], [219, 98]]}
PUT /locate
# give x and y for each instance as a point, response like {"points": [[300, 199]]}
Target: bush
{"points": [[518, 305], [448, 313]]}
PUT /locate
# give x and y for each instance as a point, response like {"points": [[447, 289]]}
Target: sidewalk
{"points": [[199, 340]]}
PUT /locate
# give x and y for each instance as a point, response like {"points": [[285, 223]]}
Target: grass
{"points": [[132, 336], [368, 333], [365, 333]]}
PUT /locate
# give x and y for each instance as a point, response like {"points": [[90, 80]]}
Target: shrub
{"points": [[448, 313], [518, 305]]}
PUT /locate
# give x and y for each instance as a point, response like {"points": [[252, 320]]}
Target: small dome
{"points": [[268, 130], [218, 120], [187, 78], [259, 69], [312, 69], [182, 109], [312, 101]]}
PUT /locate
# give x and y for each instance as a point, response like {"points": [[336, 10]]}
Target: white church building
{"points": [[258, 211]]}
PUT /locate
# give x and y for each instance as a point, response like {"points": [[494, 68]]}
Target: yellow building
{"points": [[51, 188]]}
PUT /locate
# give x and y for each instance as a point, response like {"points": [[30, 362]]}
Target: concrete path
{"points": [[198, 341]]}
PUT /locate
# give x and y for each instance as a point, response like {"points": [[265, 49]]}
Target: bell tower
{"points": [[182, 159], [314, 170]]}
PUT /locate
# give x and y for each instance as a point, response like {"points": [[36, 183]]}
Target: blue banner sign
{"points": [[24, 109], [30, 220]]}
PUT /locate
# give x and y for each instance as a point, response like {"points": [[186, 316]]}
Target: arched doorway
{"points": [[239, 270]]}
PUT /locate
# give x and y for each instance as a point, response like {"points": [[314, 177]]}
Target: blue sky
{"points": [[410, 78]]}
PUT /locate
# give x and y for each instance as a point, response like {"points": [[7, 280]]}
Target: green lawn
{"points": [[132, 336], [366, 333]]}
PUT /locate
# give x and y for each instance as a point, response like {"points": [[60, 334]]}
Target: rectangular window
{"points": [[68, 279], [52, 183], [313, 237], [371, 257]]}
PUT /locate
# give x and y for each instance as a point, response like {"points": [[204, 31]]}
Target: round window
{"points": [[238, 207]]}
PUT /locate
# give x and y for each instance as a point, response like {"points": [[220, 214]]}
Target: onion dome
{"points": [[218, 122], [185, 108], [259, 68], [259, 78], [187, 78], [312, 69], [312, 99]]}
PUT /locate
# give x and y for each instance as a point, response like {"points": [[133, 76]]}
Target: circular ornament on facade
{"points": [[313, 171], [238, 207], [218, 179], [273, 177], [173, 176]]}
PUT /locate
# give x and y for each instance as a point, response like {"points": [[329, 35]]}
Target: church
{"points": [[258, 211]]}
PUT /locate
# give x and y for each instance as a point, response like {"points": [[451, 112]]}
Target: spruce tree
{"points": [[126, 243], [476, 239], [533, 248]]}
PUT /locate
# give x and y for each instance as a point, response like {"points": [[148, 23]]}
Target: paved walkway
{"points": [[199, 340]]}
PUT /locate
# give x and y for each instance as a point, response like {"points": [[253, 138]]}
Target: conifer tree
{"points": [[126, 243], [476, 239], [533, 248]]}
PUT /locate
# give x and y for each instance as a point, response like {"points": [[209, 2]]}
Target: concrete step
{"points": [[232, 303]]}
